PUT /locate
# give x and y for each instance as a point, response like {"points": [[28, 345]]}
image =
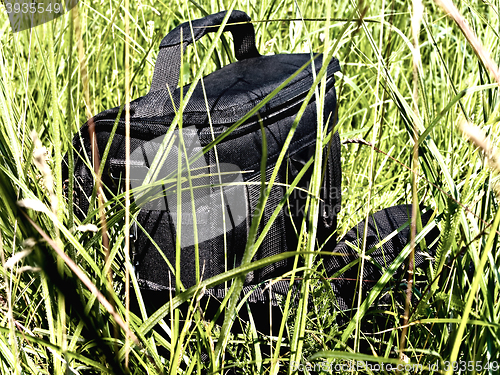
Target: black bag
{"points": [[389, 226], [229, 94], [225, 179]]}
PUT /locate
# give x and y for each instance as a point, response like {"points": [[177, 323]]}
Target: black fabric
{"points": [[168, 63], [382, 226], [230, 94], [225, 97]]}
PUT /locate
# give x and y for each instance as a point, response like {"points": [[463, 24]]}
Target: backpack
{"points": [[233, 120]]}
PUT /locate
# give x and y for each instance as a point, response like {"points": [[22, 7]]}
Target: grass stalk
{"points": [[371, 175], [471, 297], [127, 181], [417, 14]]}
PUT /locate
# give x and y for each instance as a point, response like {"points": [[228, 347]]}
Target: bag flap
{"points": [[234, 90]]}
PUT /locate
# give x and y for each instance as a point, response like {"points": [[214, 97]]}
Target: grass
{"points": [[64, 315]]}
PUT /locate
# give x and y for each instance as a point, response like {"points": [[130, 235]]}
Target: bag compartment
{"points": [[231, 93]]}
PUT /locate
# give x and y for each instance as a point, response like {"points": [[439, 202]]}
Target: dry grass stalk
{"points": [[473, 40], [416, 21], [477, 136]]}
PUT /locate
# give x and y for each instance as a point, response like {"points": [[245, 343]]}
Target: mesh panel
{"points": [[275, 241], [231, 93]]}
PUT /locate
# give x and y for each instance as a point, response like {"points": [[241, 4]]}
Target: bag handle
{"points": [[168, 63]]}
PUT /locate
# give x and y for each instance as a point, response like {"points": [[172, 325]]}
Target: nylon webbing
{"points": [[168, 63]]}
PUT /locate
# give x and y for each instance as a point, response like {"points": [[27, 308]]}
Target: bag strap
{"points": [[168, 63]]}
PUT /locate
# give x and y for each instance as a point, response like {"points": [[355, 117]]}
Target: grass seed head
{"points": [[477, 136]]}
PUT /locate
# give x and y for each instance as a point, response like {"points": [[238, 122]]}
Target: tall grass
{"points": [[62, 313]]}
